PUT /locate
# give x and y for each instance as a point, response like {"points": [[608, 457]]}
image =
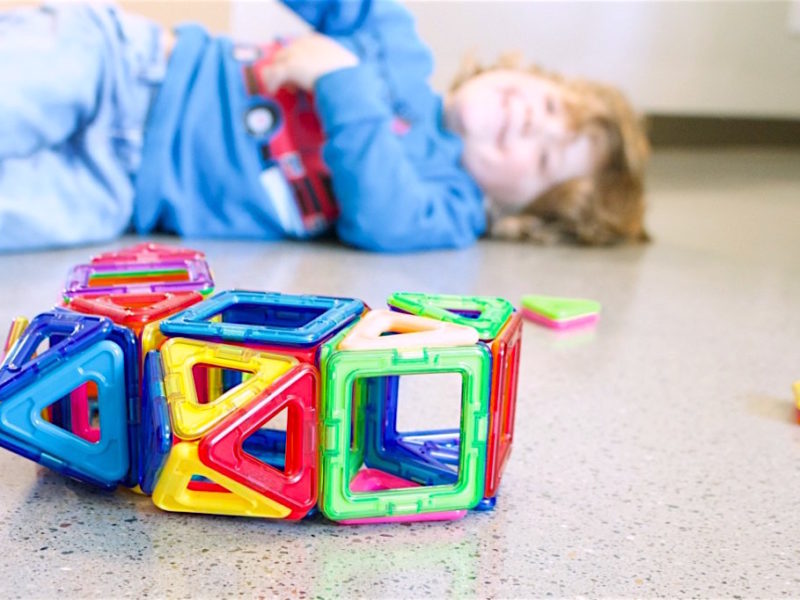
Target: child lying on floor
{"points": [[107, 120]]}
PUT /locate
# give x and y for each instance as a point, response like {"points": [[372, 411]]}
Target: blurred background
{"points": [[706, 72], [657, 455]]}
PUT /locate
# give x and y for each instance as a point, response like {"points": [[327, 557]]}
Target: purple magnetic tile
{"points": [[200, 278]]}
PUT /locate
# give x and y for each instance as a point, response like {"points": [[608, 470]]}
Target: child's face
{"points": [[518, 140]]}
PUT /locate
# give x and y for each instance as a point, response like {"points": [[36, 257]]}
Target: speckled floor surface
{"points": [[656, 455]]}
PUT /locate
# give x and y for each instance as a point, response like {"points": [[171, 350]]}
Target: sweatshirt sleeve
{"points": [[388, 200], [331, 17], [51, 67]]}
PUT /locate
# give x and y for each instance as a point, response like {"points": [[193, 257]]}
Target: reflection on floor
{"points": [[655, 453]]}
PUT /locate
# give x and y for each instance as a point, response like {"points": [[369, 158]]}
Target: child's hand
{"points": [[305, 60]]}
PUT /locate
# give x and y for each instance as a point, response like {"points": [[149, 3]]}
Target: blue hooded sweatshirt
{"points": [[75, 85], [398, 189]]}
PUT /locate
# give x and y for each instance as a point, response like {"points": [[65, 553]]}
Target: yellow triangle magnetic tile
{"points": [[18, 327], [191, 419], [173, 493]]}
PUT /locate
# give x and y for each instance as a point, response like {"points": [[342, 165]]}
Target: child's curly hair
{"points": [[606, 207]]}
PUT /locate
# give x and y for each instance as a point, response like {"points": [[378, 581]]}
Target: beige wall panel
{"points": [[213, 14]]}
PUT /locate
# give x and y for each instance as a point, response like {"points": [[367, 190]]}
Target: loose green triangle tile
{"points": [[560, 308], [485, 314]]}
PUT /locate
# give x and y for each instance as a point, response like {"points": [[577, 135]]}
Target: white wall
{"points": [[259, 20], [717, 58]]}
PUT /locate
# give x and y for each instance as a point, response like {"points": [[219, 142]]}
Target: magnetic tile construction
{"points": [[259, 404]]}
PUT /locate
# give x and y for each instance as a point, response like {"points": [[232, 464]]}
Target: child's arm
{"points": [[394, 193], [387, 200]]}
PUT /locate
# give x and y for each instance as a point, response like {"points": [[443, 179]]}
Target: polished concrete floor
{"points": [[656, 455]]}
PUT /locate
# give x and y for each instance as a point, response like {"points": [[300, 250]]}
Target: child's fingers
{"points": [[274, 76], [282, 55], [277, 72]]}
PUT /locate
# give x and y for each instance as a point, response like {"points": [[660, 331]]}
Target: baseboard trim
{"points": [[681, 131]]}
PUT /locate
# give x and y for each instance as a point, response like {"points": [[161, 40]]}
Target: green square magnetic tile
{"points": [[341, 370]]}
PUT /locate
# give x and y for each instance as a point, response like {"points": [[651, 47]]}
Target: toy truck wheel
{"points": [[261, 120]]}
